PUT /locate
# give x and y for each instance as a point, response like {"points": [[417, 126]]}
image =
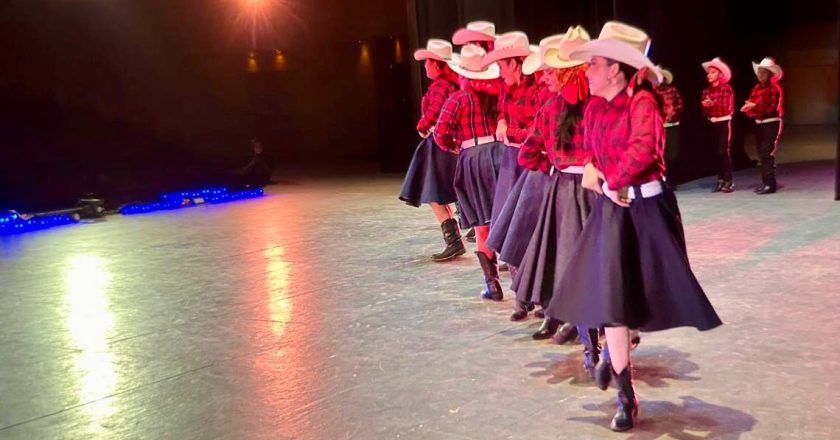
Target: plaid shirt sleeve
{"points": [[766, 100], [723, 99], [532, 152], [640, 152], [525, 110], [433, 101], [447, 134]]}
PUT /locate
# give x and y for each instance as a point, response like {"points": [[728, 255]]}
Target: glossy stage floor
{"points": [[314, 313]]}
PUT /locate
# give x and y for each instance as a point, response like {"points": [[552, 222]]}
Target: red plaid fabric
{"points": [[723, 98], [672, 103], [768, 100], [517, 106], [432, 102], [626, 138], [544, 146], [461, 119], [543, 95]]}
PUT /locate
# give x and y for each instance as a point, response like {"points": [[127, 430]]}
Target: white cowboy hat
{"points": [[666, 74], [534, 62], [475, 31], [558, 57], [717, 63], [623, 43], [436, 49], [469, 64], [509, 45], [769, 63]]}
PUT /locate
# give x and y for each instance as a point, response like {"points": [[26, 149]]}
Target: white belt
{"points": [[767, 121], [569, 170], [514, 145], [671, 124], [650, 189], [473, 142], [721, 119]]}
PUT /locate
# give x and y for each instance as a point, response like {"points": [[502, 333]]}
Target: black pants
{"points": [[767, 137], [721, 133]]}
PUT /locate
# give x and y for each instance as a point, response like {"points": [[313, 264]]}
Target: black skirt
{"points": [[430, 176], [511, 230], [475, 183], [631, 268], [564, 210]]}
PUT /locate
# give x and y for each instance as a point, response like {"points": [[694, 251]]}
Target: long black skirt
{"points": [[511, 230], [563, 213], [475, 183], [631, 268], [509, 173], [430, 176]]}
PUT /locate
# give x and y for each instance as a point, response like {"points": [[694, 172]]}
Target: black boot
{"points": [[628, 403], [454, 245], [493, 291], [540, 313], [603, 369], [547, 329], [565, 334], [470, 237], [591, 348], [765, 189], [520, 310]]}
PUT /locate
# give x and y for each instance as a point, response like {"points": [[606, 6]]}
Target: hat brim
{"points": [[775, 69], [489, 72], [617, 51], [502, 54], [723, 68], [463, 36], [532, 64], [424, 54], [667, 76]]}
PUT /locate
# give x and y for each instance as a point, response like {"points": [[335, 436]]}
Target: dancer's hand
{"points": [[708, 102], [592, 178], [501, 131], [620, 197], [747, 106]]}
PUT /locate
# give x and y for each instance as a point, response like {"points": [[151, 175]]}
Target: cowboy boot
{"points": [[520, 310], [452, 237], [493, 291], [547, 329], [591, 348], [603, 369], [470, 237], [628, 403], [565, 334]]}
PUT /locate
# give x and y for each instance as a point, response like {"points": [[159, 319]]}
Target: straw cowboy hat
{"points": [[769, 63], [558, 57], [475, 31], [717, 63], [623, 43], [509, 45], [534, 62], [666, 74], [436, 49], [469, 64]]}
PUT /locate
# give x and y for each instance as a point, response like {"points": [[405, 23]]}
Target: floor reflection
{"points": [[89, 322]]}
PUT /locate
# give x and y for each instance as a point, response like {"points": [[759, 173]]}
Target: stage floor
{"points": [[314, 313]]}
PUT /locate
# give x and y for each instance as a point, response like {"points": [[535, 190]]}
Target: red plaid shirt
{"points": [[626, 138], [543, 95], [461, 119], [433, 100], [544, 147], [672, 103], [723, 98], [768, 100], [517, 106]]}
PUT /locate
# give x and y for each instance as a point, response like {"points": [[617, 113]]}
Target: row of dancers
{"points": [[555, 156]]}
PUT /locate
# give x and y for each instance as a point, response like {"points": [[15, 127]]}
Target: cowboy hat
{"points": [[623, 43], [769, 63], [666, 74], [436, 49], [558, 57], [717, 63], [534, 62], [475, 31], [469, 64], [509, 45]]}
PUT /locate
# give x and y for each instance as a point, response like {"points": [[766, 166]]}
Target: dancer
{"points": [[431, 174], [718, 106], [466, 125], [765, 106], [616, 280], [672, 107]]}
